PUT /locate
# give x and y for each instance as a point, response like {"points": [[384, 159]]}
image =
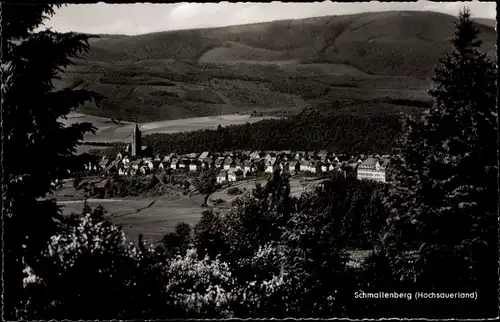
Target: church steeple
{"points": [[136, 141]]}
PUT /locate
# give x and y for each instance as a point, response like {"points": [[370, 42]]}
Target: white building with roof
{"points": [[372, 169]]}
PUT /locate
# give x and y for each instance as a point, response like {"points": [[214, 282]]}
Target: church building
{"points": [[136, 148]]}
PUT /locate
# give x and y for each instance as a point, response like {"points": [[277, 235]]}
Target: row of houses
{"points": [[234, 166]]}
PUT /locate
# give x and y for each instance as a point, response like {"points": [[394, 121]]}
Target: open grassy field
{"points": [[156, 216], [134, 215], [274, 68]]}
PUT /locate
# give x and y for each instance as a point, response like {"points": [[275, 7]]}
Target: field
{"points": [[277, 68], [155, 217], [136, 217], [114, 131]]}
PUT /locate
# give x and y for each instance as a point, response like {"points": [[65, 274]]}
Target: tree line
{"points": [[306, 131]]}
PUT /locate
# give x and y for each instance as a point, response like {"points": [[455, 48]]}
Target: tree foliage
{"points": [[31, 128], [446, 198], [306, 131]]}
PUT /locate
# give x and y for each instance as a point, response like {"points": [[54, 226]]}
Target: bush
{"points": [[234, 191]]}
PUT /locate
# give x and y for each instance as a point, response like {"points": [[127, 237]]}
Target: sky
{"points": [[141, 18]]}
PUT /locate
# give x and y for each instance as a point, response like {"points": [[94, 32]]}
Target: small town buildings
{"points": [[204, 155], [285, 167], [248, 167], [122, 172], [169, 157], [304, 165], [255, 155], [238, 164], [207, 163], [294, 166], [194, 166], [228, 162], [219, 162], [221, 176], [183, 163], [192, 156], [104, 163], [135, 164], [271, 165], [313, 167], [174, 164], [149, 163], [372, 169], [233, 176]]}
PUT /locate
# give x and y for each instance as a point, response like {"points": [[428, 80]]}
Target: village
{"points": [[233, 166], [237, 165]]}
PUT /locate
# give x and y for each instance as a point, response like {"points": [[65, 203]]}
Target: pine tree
{"points": [[445, 203], [36, 148]]}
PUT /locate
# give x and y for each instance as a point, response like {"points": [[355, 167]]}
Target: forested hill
{"points": [[398, 43], [274, 68]]}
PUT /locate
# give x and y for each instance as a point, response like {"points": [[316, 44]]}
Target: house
{"points": [[324, 167], [298, 155], [285, 167], [331, 167], [207, 163], [254, 155], [270, 155], [233, 176], [313, 166], [149, 163], [136, 164], [156, 164], [144, 169], [192, 156], [238, 164], [126, 161], [104, 163], [271, 165], [304, 165], [194, 166], [294, 167], [219, 162], [248, 167], [183, 163], [174, 164], [163, 165], [112, 167], [169, 157], [322, 153], [228, 162], [204, 155], [122, 171], [221, 176], [371, 169]]}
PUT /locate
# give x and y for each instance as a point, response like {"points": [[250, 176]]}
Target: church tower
{"points": [[136, 141]]}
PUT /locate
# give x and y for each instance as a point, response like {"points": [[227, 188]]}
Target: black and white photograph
{"points": [[325, 160]]}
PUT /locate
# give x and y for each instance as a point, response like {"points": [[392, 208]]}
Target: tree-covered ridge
{"points": [[307, 131]]}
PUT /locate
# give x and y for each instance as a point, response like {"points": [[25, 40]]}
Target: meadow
{"points": [[156, 216]]}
